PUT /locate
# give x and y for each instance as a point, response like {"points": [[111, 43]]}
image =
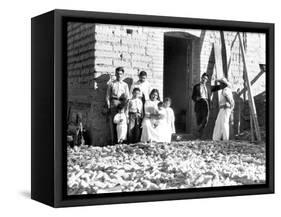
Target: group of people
{"points": [[202, 98], [138, 114]]}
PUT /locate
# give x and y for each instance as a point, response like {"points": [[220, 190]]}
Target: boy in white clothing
{"points": [[121, 124]]}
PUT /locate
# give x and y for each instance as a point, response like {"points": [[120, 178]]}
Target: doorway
{"points": [[177, 78]]}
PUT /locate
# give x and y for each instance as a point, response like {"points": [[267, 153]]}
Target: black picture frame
{"points": [[48, 70]]}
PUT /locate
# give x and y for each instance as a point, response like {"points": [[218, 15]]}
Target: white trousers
{"points": [[121, 132], [221, 130]]}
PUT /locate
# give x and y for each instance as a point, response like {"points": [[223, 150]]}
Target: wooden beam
{"points": [[250, 96], [238, 106], [218, 60], [218, 66], [223, 55], [252, 129], [230, 55], [252, 82]]}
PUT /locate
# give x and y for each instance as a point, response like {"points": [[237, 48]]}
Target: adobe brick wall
{"points": [[103, 47], [82, 98]]}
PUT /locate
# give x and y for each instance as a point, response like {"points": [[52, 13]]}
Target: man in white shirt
{"points": [[143, 85], [117, 93]]}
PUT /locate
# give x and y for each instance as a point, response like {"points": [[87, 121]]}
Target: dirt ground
{"points": [[142, 167]]}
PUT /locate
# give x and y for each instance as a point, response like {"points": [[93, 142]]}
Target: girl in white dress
{"points": [[161, 126], [121, 124], [170, 116]]}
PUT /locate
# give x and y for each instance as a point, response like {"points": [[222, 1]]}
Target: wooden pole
{"points": [[230, 55], [218, 67], [218, 61], [250, 96], [239, 114], [252, 129], [252, 82], [223, 55], [244, 94]]}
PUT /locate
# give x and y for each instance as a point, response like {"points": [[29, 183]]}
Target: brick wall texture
{"points": [[102, 48]]}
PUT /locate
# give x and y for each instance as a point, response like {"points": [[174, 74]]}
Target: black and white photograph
{"points": [[158, 108], [144, 108]]}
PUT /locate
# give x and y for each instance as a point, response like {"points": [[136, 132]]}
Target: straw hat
{"points": [[225, 81]]}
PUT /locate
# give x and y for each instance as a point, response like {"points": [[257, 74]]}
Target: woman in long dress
{"points": [[170, 116], [149, 132], [226, 102]]}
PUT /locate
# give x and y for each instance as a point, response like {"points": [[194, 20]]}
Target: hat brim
{"points": [[227, 83]]}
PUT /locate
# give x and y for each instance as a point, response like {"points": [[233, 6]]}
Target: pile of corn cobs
{"points": [[142, 167]]}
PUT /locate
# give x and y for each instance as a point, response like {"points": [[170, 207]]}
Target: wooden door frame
{"points": [[189, 70]]}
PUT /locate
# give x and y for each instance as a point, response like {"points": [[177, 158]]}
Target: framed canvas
{"points": [[134, 108]]}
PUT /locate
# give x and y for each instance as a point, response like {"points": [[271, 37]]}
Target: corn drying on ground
{"points": [[142, 167]]}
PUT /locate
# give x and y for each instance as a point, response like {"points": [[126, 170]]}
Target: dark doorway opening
{"points": [[177, 78]]}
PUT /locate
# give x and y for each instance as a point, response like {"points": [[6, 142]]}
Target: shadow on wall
{"points": [[98, 119], [90, 106], [129, 81]]}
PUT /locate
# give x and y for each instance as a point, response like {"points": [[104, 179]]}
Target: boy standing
{"points": [[135, 107]]}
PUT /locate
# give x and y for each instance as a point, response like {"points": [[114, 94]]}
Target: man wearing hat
{"points": [[201, 96], [226, 104]]}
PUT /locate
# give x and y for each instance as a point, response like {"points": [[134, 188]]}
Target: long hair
{"points": [[154, 91]]}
